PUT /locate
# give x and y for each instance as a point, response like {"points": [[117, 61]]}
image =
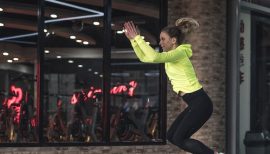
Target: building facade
{"points": [[253, 61], [209, 58]]}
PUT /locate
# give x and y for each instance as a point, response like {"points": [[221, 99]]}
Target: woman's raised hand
{"points": [[130, 30]]}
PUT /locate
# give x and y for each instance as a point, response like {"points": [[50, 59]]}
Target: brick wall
{"points": [[209, 57], [209, 60]]}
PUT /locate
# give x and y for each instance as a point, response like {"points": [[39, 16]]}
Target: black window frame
{"points": [[106, 80]]}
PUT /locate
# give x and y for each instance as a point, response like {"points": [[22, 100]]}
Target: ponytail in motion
{"points": [[182, 27]]}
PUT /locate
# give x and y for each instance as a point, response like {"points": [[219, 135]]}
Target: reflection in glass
{"points": [[18, 62], [73, 77], [259, 2], [73, 72], [261, 105], [135, 86], [135, 106]]}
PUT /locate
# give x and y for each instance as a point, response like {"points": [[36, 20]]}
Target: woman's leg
{"points": [[175, 124], [199, 111]]}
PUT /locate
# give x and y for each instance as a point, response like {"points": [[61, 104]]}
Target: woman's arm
{"points": [[157, 57], [138, 51], [146, 52], [131, 32]]}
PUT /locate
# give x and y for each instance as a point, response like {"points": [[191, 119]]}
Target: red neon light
{"points": [[11, 101], [114, 90], [74, 99], [98, 91], [123, 88], [133, 85], [118, 89], [18, 96], [90, 94]]}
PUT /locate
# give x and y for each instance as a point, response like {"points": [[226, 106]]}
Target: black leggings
{"points": [[199, 110]]}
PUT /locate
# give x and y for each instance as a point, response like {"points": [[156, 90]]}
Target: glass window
{"points": [[69, 102], [18, 72], [259, 2], [135, 86], [261, 71], [135, 103], [73, 72]]}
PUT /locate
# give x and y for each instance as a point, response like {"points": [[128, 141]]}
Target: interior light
{"points": [[85, 42], [80, 66], [96, 23], [112, 24], [15, 59], [1, 24], [89, 69], [96, 73], [45, 30], [70, 61], [96, 13], [120, 32], [79, 41], [72, 37], [1, 9], [53, 16], [5, 53], [101, 75], [58, 57], [93, 14], [9, 61], [47, 34], [46, 51]]}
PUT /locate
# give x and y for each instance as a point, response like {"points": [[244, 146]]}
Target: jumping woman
{"points": [[179, 69]]}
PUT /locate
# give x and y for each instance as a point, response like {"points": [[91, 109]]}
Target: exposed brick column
{"points": [[209, 57]]}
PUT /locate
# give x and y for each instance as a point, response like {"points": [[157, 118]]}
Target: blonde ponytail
{"points": [[187, 25]]}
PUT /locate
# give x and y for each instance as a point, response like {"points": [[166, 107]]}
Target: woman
{"points": [[181, 73]]}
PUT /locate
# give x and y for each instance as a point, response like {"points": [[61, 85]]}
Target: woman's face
{"points": [[166, 42]]}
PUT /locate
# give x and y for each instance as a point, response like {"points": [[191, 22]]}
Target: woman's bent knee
{"points": [[176, 140]]}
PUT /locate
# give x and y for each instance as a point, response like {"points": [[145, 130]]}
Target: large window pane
{"points": [[135, 87], [264, 3], [135, 103], [73, 72], [18, 77], [261, 103]]}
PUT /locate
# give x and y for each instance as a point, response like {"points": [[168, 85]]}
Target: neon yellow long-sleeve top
{"points": [[178, 66]]}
